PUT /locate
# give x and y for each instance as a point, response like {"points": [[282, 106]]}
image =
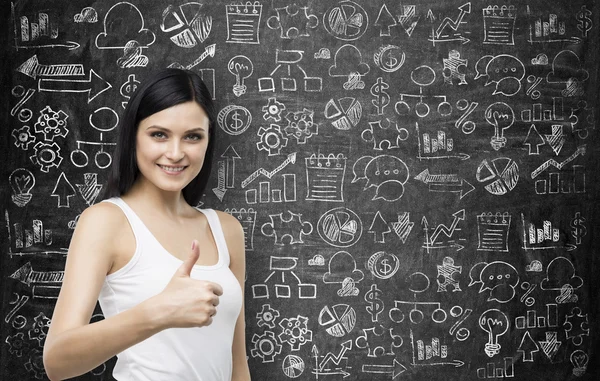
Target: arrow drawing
{"points": [[33, 68], [580, 151], [94, 85], [395, 369], [454, 24], [534, 140], [441, 228], [230, 155], [528, 347], [551, 345], [346, 346], [445, 183], [27, 275], [220, 190], [327, 372], [291, 158]]}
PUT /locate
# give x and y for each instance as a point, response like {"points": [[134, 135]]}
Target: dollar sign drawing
{"points": [[129, 87], [382, 98], [376, 304], [392, 62], [584, 23], [237, 122], [577, 228], [386, 267]]}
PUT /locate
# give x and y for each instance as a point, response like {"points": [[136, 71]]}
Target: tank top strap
{"points": [[217, 232], [137, 225]]}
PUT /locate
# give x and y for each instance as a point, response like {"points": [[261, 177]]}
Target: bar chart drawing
{"points": [[532, 320], [537, 112], [562, 182], [431, 353], [437, 146], [537, 238], [265, 193], [492, 370], [25, 238], [551, 29]]}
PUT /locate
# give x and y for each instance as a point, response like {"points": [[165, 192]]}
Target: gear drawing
{"points": [[273, 109], [301, 125], [267, 316], [295, 332], [272, 139], [46, 156], [51, 124], [266, 346]]}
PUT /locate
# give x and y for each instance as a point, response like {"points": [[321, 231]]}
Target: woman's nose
{"points": [[174, 152]]}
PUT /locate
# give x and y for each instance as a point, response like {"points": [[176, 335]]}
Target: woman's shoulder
{"points": [[104, 216], [232, 229]]}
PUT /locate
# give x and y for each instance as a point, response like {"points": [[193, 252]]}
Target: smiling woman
{"points": [[131, 253]]}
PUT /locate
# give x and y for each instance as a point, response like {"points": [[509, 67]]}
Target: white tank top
{"points": [[183, 354]]}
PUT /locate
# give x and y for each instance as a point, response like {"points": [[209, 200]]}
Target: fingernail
{"points": [[193, 244]]}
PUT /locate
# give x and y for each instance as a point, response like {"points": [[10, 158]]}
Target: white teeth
{"points": [[172, 169]]}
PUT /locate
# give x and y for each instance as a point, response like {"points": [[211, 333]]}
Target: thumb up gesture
{"points": [[188, 302]]}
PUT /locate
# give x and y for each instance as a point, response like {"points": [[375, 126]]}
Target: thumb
{"points": [[186, 267]]}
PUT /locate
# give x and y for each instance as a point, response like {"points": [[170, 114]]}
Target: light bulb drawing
{"points": [[495, 323], [21, 182], [579, 359], [501, 116], [241, 67]]}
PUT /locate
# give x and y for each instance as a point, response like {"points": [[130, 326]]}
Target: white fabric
{"points": [[183, 354]]}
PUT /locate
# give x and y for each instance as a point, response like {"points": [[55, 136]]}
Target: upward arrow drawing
{"points": [[346, 345], [454, 24], [534, 140]]}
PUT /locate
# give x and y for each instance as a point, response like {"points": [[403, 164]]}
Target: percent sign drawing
{"points": [[467, 126], [25, 114], [531, 91], [528, 288], [462, 333]]}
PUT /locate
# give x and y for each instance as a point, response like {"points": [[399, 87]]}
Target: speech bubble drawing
{"points": [[499, 278], [504, 66], [383, 168], [390, 190], [481, 65], [504, 70], [384, 172]]}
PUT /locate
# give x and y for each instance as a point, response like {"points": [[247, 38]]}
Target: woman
{"points": [[171, 312]]}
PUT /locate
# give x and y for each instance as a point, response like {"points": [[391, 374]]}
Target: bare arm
{"points": [[234, 235], [73, 346]]}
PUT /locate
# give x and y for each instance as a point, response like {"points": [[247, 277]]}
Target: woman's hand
{"points": [[187, 302]]}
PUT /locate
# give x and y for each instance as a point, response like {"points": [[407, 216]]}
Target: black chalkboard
{"points": [[417, 180]]}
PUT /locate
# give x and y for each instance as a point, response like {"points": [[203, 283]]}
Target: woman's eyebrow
{"points": [[166, 129]]}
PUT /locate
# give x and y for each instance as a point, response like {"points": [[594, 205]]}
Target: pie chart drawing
{"points": [[500, 176], [347, 21], [338, 320], [293, 366], [189, 25], [340, 227], [345, 113]]}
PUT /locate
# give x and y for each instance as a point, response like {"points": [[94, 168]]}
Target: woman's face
{"points": [[171, 144]]}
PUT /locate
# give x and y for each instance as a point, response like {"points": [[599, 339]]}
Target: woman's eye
{"points": [[157, 134], [195, 137]]}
